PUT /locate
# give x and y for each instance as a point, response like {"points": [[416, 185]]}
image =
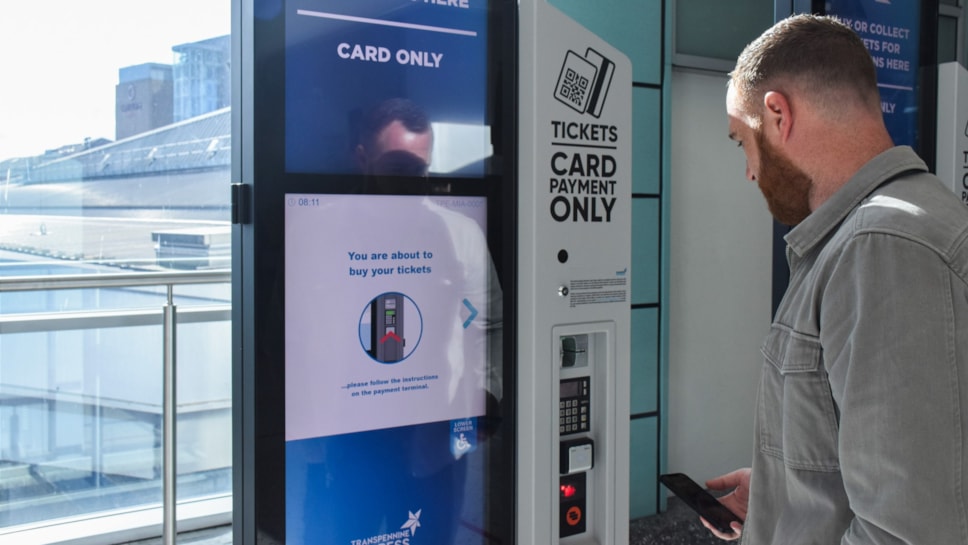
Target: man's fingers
{"points": [[729, 480], [737, 530]]}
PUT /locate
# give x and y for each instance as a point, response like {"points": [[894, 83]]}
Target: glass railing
{"points": [[88, 431]]}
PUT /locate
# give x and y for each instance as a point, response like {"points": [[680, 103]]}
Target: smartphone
{"points": [[701, 501]]}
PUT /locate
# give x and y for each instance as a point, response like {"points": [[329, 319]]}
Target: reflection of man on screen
{"points": [[396, 139]]}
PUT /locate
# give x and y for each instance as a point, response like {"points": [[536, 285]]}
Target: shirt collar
{"points": [[831, 213]]}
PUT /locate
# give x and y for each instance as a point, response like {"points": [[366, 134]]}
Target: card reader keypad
{"points": [[574, 409]]}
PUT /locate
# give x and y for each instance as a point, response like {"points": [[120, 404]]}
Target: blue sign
{"points": [[402, 486], [890, 30], [345, 59]]}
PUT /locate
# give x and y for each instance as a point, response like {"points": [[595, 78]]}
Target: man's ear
{"points": [[777, 114]]}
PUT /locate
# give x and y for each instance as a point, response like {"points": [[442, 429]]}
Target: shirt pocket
{"points": [[797, 416]]}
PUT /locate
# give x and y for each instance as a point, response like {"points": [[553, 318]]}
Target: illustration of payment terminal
{"points": [[387, 341]]}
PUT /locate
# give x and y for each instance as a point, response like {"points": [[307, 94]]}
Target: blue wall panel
{"points": [[632, 26], [644, 475], [646, 140], [645, 360], [645, 251]]}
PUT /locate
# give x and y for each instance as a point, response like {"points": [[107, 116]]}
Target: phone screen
{"points": [[700, 501]]}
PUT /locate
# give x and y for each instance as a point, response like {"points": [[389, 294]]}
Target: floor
{"points": [[677, 526]]}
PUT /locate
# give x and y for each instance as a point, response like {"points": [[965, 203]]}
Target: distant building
{"points": [[142, 99], [152, 95], [202, 77]]}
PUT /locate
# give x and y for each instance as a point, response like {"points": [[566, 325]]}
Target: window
{"points": [[114, 175], [710, 34]]}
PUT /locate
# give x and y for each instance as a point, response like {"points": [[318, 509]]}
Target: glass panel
{"points": [[114, 160], [80, 409], [717, 29]]}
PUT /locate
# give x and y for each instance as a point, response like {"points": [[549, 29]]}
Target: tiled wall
{"points": [[636, 27]]}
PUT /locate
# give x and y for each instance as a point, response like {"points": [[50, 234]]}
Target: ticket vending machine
{"points": [[432, 274], [952, 127]]}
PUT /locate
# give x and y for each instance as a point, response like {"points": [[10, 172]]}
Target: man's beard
{"points": [[785, 187]]}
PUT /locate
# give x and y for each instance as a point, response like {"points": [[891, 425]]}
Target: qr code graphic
{"points": [[575, 82], [574, 87]]}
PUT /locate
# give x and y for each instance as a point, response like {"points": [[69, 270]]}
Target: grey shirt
{"points": [[862, 412]]}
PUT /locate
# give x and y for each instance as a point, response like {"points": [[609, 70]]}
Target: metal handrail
{"points": [[120, 280], [36, 322], [46, 322], [128, 280]]}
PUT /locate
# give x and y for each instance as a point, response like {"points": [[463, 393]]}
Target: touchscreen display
{"points": [[386, 308], [388, 87], [390, 305]]}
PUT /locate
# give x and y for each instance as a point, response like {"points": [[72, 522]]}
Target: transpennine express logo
{"points": [[401, 537]]}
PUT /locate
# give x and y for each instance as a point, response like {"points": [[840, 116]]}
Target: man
{"points": [[396, 139], [862, 411]]}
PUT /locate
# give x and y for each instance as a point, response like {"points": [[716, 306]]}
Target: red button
{"points": [[573, 516]]}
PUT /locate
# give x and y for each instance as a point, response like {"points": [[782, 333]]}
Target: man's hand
{"points": [[736, 501]]}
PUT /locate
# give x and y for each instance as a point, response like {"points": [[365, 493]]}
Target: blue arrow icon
{"points": [[473, 315]]}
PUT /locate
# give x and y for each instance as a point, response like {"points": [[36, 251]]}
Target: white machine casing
{"points": [[574, 276]]}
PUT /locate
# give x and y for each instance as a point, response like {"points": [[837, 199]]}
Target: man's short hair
{"points": [[403, 110], [817, 57]]}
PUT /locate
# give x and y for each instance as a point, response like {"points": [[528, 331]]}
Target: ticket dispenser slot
{"points": [[574, 350]]}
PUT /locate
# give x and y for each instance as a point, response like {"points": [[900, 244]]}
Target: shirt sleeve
{"points": [[887, 329]]}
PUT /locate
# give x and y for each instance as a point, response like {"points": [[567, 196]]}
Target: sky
{"points": [[60, 61]]}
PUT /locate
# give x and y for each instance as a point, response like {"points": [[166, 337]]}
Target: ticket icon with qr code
{"points": [[584, 81]]}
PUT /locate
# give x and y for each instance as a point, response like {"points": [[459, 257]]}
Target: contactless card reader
{"points": [[577, 455]]}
